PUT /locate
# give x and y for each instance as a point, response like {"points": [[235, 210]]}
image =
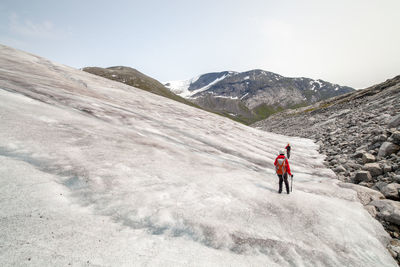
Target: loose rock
{"points": [[396, 137], [388, 210], [362, 176], [368, 158], [394, 122], [391, 191], [387, 148], [373, 168]]}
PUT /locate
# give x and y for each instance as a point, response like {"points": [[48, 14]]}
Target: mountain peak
{"points": [[253, 94]]}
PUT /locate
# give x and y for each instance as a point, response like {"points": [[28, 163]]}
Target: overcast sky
{"points": [[354, 43]]}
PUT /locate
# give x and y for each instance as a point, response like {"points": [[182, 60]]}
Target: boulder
{"points": [[368, 158], [396, 166], [387, 168], [394, 248], [394, 122], [364, 194], [380, 138], [339, 169], [391, 191], [387, 148], [367, 184], [353, 165], [395, 137], [362, 176], [358, 154], [373, 168], [388, 210], [379, 185]]}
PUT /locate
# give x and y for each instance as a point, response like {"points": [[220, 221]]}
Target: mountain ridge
{"points": [[135, 78], [255, 94]]}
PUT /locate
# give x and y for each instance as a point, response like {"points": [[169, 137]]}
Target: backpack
{"points": [[281, 166]]}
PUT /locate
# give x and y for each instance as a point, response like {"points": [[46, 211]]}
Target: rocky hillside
{"points": [[136, 79], [360, 135], [255, 94]]}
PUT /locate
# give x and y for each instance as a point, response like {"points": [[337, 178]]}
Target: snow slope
{"points": [[94, 172]]}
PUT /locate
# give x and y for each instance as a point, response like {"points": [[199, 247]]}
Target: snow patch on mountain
{"points": [[246, 94], [181, 88], [229, 97]]}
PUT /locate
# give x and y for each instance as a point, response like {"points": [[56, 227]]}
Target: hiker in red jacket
{"points": [[288, 151], [282, 170]]}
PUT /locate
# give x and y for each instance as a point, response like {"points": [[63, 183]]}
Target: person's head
{"points": [[281, 152], [288, 144]]}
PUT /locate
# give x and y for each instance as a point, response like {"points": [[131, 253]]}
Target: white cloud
{"points": [[29, 28]]}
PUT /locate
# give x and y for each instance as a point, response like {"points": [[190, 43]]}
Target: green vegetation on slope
{"points": [[137, 79]]}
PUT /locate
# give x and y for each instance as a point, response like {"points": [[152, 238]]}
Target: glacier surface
{"points": [[94, 172]]}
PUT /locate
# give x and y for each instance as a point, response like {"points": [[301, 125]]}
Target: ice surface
{"points": [[94, 172]]}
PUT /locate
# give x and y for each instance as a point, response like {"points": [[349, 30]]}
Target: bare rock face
{"points": [[373, 168], [388, 148]]}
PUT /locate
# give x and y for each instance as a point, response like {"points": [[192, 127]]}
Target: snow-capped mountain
{"points": [[94, 172], [254, 94]]}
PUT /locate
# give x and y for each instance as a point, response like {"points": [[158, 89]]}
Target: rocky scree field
{"points": [[360, 135]]}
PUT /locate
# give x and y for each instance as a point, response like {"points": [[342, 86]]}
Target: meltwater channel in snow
{"points": [[96, 172]]}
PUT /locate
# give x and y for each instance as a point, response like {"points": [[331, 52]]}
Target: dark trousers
{"points": [[288, 153], [283, 178]]}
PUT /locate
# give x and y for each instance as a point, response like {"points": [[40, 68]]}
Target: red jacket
{"points": [[287, 167]]}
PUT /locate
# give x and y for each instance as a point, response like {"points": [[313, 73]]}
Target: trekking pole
{"points": [[291, 185]]}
